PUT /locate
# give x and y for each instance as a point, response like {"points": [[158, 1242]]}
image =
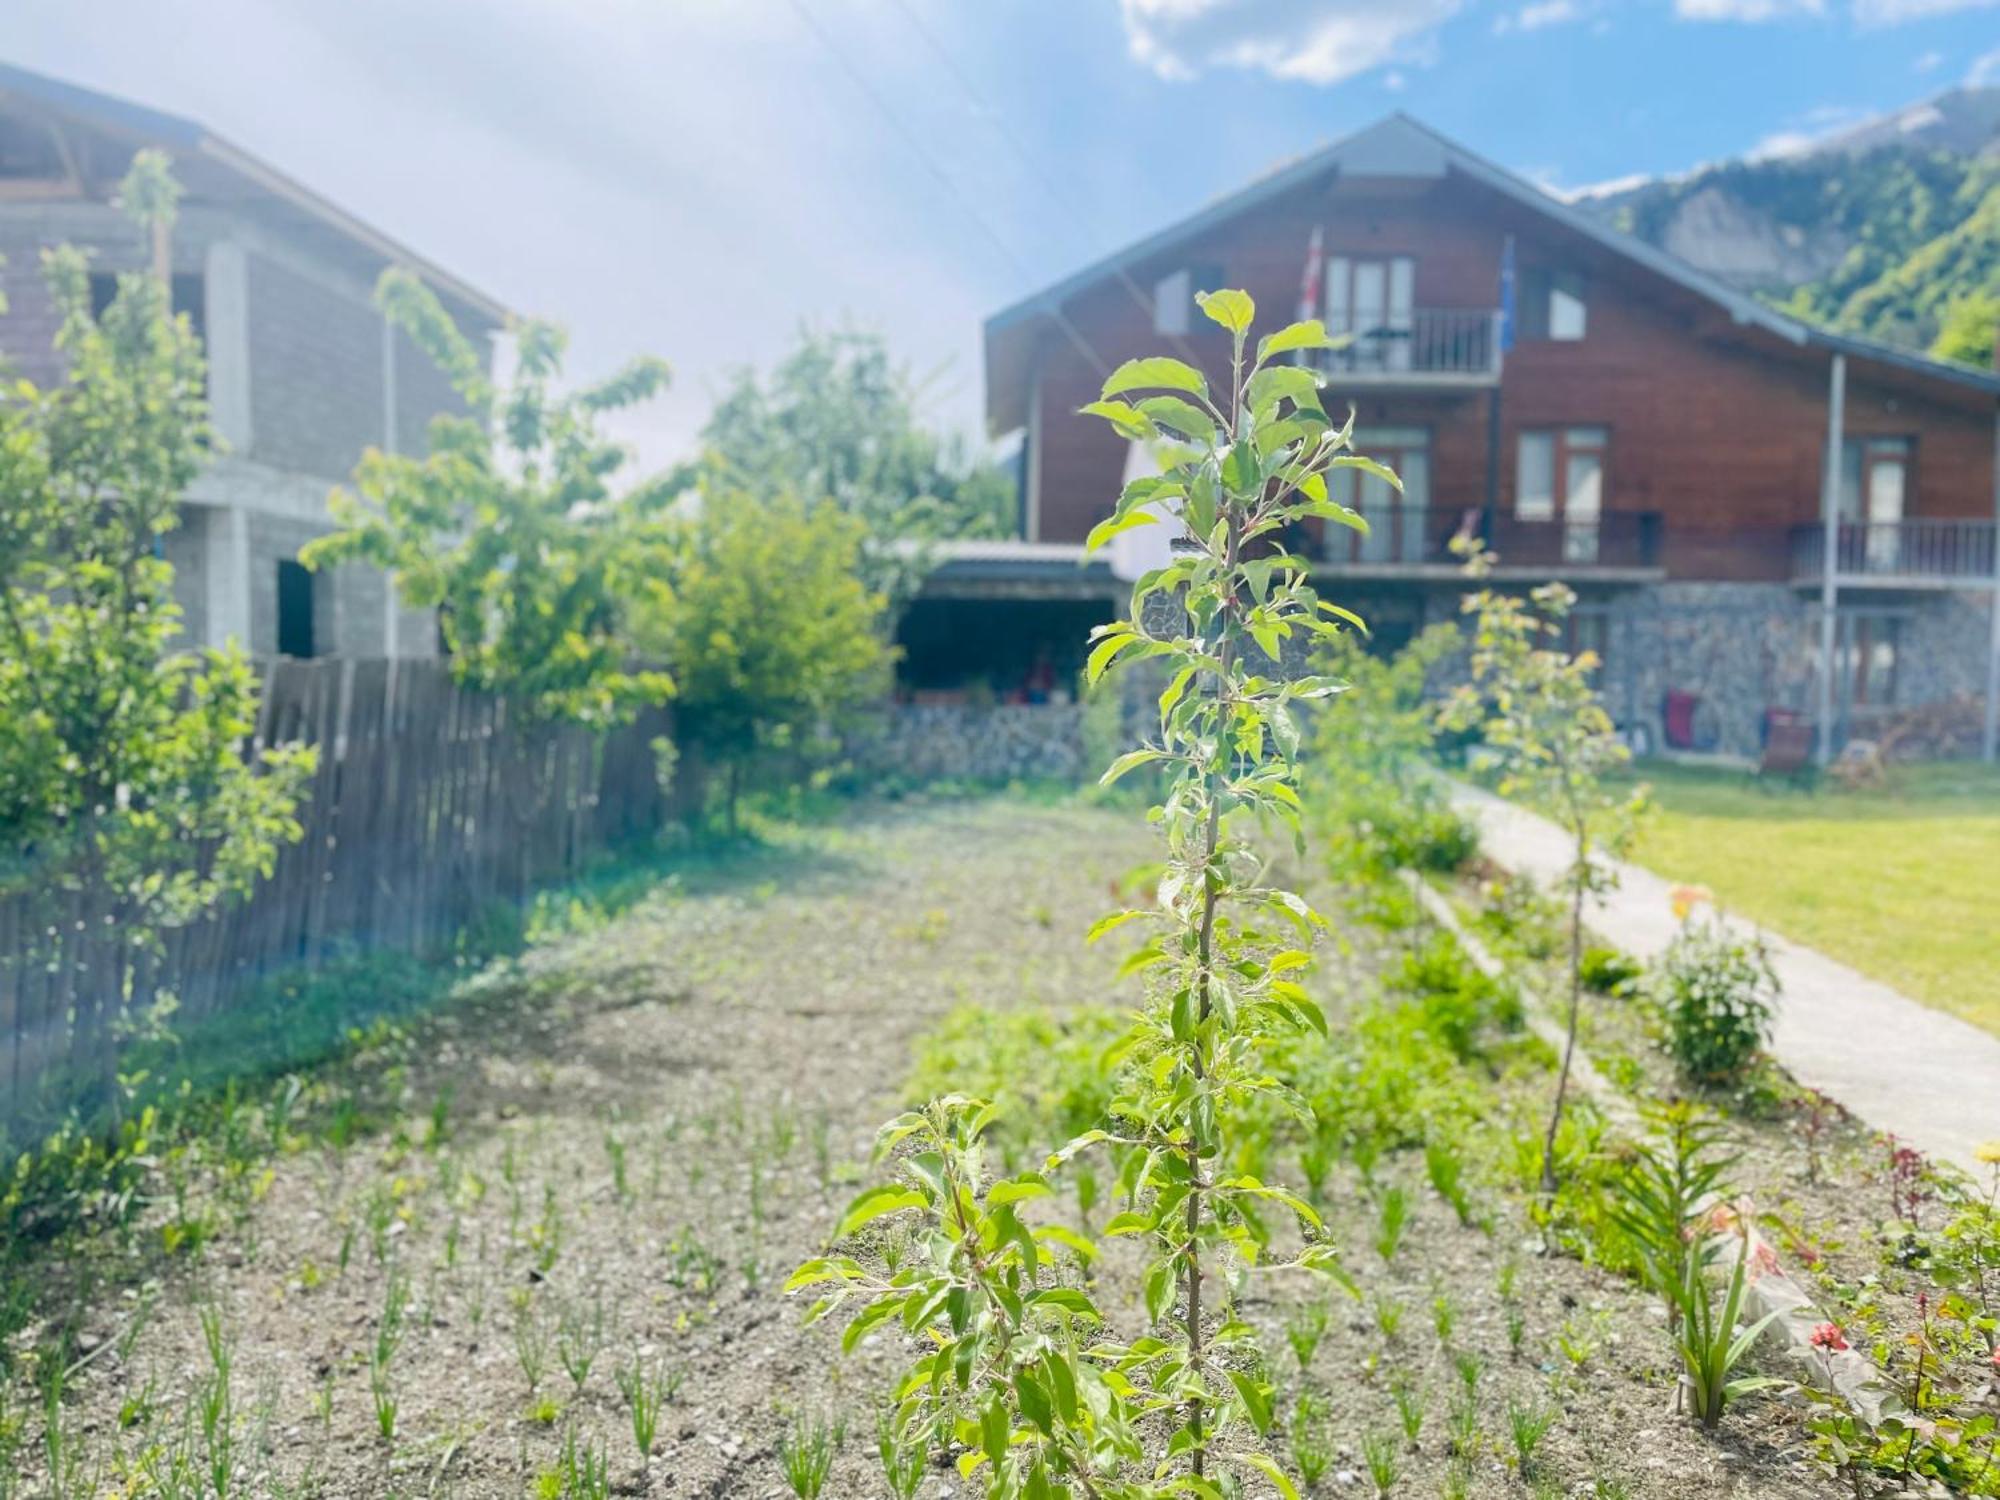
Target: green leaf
{"points": [[1015, 1190], [1111, 923], [1131, 760], [1132, 520], [1282, 383], [1256, 1397], [1160, 1287], [1232, 309], [1156, 372], [1172, 414], [1368, 466], [1107, 649], [872, 1203], [1269, 1469], [1126, 419], [1311, 334], [1242, 473], [867, 1318], [1067, 1299]]}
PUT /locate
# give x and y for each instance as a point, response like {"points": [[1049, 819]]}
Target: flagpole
{"points": [[1503, 340]]}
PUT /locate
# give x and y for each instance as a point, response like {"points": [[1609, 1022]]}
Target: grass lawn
{"points": [[1903, 883]]}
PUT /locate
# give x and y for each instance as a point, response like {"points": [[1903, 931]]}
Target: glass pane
{"points": [[1415, 472], [1583, 491], [1850, 480], [1567, 314], [1336, 293], [1535, 481], [1370, 294], [1415, 505], [1886, 477], [1173, 299], [1586, 437]]}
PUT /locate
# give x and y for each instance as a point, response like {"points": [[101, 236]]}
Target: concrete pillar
{"points": [[1829, 512], [227, 278], [228, 570]]}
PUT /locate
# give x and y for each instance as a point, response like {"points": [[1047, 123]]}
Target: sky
{"points": [[701, 179]]}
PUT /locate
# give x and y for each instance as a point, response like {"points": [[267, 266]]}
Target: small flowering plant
{"points": [[1828, 1336]]}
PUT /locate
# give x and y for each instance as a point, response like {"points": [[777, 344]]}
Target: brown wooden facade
{"points": [[1713, 425]]}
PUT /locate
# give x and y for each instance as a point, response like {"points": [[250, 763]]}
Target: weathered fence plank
{"points": [[429, 803]]}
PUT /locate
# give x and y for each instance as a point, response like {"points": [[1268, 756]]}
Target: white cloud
{"points": [[1746, 10], [1985, 69], [1895, 12], [1539, 13], [1313, 41], [1930, 62]]}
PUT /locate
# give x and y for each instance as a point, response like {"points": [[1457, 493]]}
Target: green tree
{"points": [[839, 418], [510, 526], [1970, 326], [770, 632], [1537, 709], [1014, 1361], [1378, 792], [123, 775]]}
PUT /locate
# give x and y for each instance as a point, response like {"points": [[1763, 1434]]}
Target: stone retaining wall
{"points": [[970, 742]]}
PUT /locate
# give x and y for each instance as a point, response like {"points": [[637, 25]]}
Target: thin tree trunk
{"points": [[1569, 1041]]}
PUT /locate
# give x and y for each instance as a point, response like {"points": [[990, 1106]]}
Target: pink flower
{"points": [[1996, 1359], [1829, 1337], [1763, 1261]]}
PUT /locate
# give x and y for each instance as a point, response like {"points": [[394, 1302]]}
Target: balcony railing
{"points": [[1932, 553], [1459, 345], [1411, 538]]}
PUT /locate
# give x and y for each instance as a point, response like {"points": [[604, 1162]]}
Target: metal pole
{"points": [[1990, 742], [1829, 512]]}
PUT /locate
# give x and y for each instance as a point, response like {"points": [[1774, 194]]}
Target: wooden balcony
{"points": [[1415, 542], [1428, 348], [1916, 554]]}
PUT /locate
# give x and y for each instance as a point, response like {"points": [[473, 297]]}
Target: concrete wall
{"points": [[304, 375]]}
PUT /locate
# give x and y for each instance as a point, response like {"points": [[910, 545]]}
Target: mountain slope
{"points": [[1890, 229]]}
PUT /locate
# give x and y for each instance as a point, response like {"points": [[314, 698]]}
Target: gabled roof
{"points": [[190, 141], [1401, 146]]}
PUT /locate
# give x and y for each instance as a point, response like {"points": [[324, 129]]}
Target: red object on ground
{"points": [[1677, 720]]}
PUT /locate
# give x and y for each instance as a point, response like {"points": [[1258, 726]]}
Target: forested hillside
{"points": [[1892, 230]]}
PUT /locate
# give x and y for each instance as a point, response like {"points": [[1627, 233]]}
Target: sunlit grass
{"points": [[1902, 883]]}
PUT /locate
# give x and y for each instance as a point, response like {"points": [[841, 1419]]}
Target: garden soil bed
{"points": [[643, 1130]]}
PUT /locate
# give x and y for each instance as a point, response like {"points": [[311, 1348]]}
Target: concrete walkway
{"points": [[1930, 1078]]}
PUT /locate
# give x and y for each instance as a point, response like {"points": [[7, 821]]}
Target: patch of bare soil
{"points": [[644, 1129]]}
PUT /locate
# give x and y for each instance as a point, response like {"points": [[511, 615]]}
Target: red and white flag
{"points": [[1315, 274]]}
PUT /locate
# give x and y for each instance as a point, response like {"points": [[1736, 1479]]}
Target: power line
{"points": [[950, 183], [1147, 303]]}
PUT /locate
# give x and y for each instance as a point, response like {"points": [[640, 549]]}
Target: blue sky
{"points": [[698, 178]]}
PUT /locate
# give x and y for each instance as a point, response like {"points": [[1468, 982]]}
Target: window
{"points": [[1568, 313], [1559, 474], [295, 608], [1554, 306], [1866, 646], [1375, 301], [1397, 523], [1173, 298]]}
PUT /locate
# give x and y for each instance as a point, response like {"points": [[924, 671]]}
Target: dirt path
{"points": [[644, 1130]]}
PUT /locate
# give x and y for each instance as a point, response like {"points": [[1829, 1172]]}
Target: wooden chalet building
{"points": [[1669, 446]]}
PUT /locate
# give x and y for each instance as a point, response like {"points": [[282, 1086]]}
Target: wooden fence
{"points": [[429, 804]]}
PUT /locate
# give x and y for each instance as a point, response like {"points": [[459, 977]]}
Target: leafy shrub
{"points": [[1460, 1003], [1042, 1070], [1717, 994], [1610, 972]]}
